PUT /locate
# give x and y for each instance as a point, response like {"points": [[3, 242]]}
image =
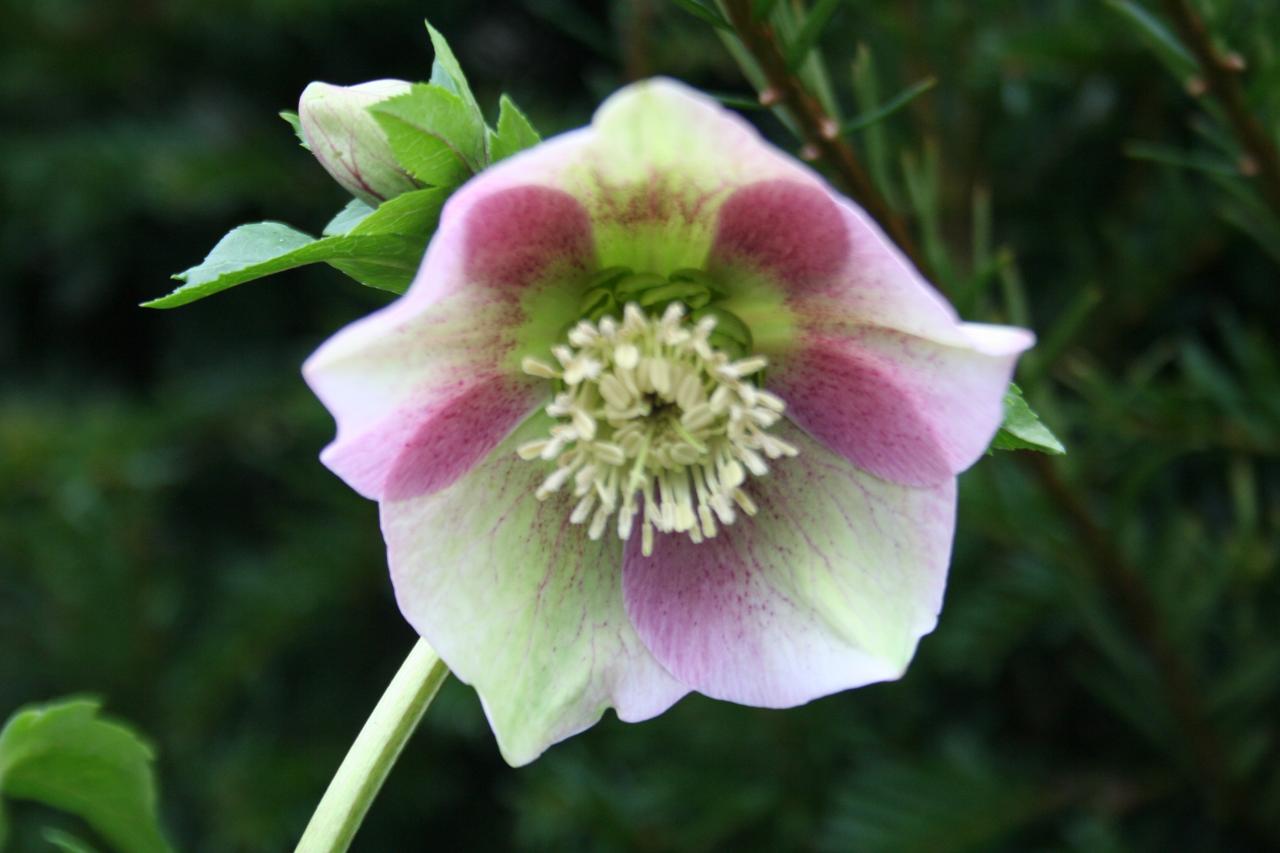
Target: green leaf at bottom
{"points": [[66, 756]]}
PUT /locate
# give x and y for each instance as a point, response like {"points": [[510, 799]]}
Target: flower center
{"points": [[653, 420]]}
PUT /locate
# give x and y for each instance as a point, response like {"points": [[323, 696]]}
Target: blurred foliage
{"points": [[169, 542]]}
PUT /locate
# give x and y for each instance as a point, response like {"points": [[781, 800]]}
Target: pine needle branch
{"points": [[1222, 77], [1108, 567]]}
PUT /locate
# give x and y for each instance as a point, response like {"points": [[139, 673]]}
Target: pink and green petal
{"points": [[663, 160], [877, 365], [425, 383], [501, 277], [436, 374], [521, 604], [905, 408], [830, 586], [652, 171], [831, 260]]}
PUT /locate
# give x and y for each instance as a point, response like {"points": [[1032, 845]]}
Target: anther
{"points": [[539, 368]]}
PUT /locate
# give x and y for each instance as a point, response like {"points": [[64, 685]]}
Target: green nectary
{"points": [[608, 291]]}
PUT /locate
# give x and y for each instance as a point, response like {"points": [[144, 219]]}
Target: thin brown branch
{"points": [[821, 133], [1222, 76], [637, 42]]}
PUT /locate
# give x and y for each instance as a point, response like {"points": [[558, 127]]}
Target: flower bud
{"points": [[347, 140]]}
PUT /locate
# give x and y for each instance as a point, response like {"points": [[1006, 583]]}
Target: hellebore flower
{"points": [[662, 412], [347, 140]]}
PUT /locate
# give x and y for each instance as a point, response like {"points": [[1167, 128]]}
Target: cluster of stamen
{"points": [[653, 421]]}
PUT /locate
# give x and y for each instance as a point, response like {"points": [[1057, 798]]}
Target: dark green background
{"points": [[169, 541]]}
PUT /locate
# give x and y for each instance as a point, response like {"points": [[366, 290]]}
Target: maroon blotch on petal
{"points": [[455, 434], [853, 402], [788, 229], [516, 235]]}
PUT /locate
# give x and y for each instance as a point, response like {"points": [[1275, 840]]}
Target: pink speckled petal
{"points": [[426, 387], [904, 408], [521, 604], [829, 587]]}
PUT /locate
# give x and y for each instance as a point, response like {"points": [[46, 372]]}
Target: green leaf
{"points": [[296, 123], [434, 135], [65, 756], [347, 218], [411, 218], [447, 72], [866, 92], [1194, 160], [245, 253], [1022, 428], [706, 13], [738, 102], [414, 215], [1153, 31], [814, 23], [384, 261], [380, 248], [514, 133], [890, 106], [66, 842]]}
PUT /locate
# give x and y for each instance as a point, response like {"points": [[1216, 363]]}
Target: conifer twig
{"points": [[1109, 567], [1222, 77]]}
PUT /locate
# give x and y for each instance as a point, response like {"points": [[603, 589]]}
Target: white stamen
{"points": [[554, 482], [538, 367], [614, 391], [748, 366], [532, 449], [584, 424], [583, 509], [656, 425], [626, 356]]}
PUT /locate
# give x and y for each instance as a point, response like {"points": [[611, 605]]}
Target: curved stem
{"points": [[375, 750]]}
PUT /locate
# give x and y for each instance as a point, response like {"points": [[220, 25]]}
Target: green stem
{"points": [[375, 750]]}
